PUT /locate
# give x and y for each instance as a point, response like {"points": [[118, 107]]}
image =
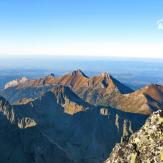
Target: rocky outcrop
{"points": [[16, 82], [26, 122], [69, 100], [144, 146], [7, 110]]}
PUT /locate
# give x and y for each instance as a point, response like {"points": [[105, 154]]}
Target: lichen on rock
{"points": [[143, 146]]}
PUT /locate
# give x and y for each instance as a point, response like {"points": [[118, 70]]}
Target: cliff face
{"points": [[144, 146]]}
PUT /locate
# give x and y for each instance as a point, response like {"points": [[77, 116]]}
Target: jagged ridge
{"points": [[102, 90]]}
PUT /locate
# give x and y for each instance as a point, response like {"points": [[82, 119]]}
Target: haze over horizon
{"points": [[82, 28]]}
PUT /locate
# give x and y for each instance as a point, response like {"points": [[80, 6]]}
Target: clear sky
{"points": [[125, 28]]}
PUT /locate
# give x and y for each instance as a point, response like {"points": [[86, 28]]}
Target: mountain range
{"points": [[73, 118], [103, 90]]}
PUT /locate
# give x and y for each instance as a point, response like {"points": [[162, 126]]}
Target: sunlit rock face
{"points": [[144, 146], [103, 90], [22, 141], [16, 82], [26, 123]]}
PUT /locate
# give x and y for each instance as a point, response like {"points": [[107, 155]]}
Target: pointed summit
{"points": [[52, 75], [79, 72], [123, 89], [153, 91], [106, 81], [74, 80], [50, 79], [104, 75]]}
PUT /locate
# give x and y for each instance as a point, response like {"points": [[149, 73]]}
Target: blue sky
{"points": [[82, 27]]}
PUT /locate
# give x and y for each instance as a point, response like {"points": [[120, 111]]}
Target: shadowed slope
{"points": [[20, 144], [81, 136]]}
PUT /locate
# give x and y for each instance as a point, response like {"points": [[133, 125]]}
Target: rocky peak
{"points": [[49, 79], [60, 89], [153, 94], [155, 91], [69, 100], [64, 92], [52, 75], [78, 72], [105, 79], [6, 109], [104, 75], [144, 146], [16, 82]]}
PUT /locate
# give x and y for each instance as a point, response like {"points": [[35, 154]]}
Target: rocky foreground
{"points": [[144, 146]]}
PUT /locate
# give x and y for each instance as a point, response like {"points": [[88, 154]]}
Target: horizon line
{"points": [[85, 57]]}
